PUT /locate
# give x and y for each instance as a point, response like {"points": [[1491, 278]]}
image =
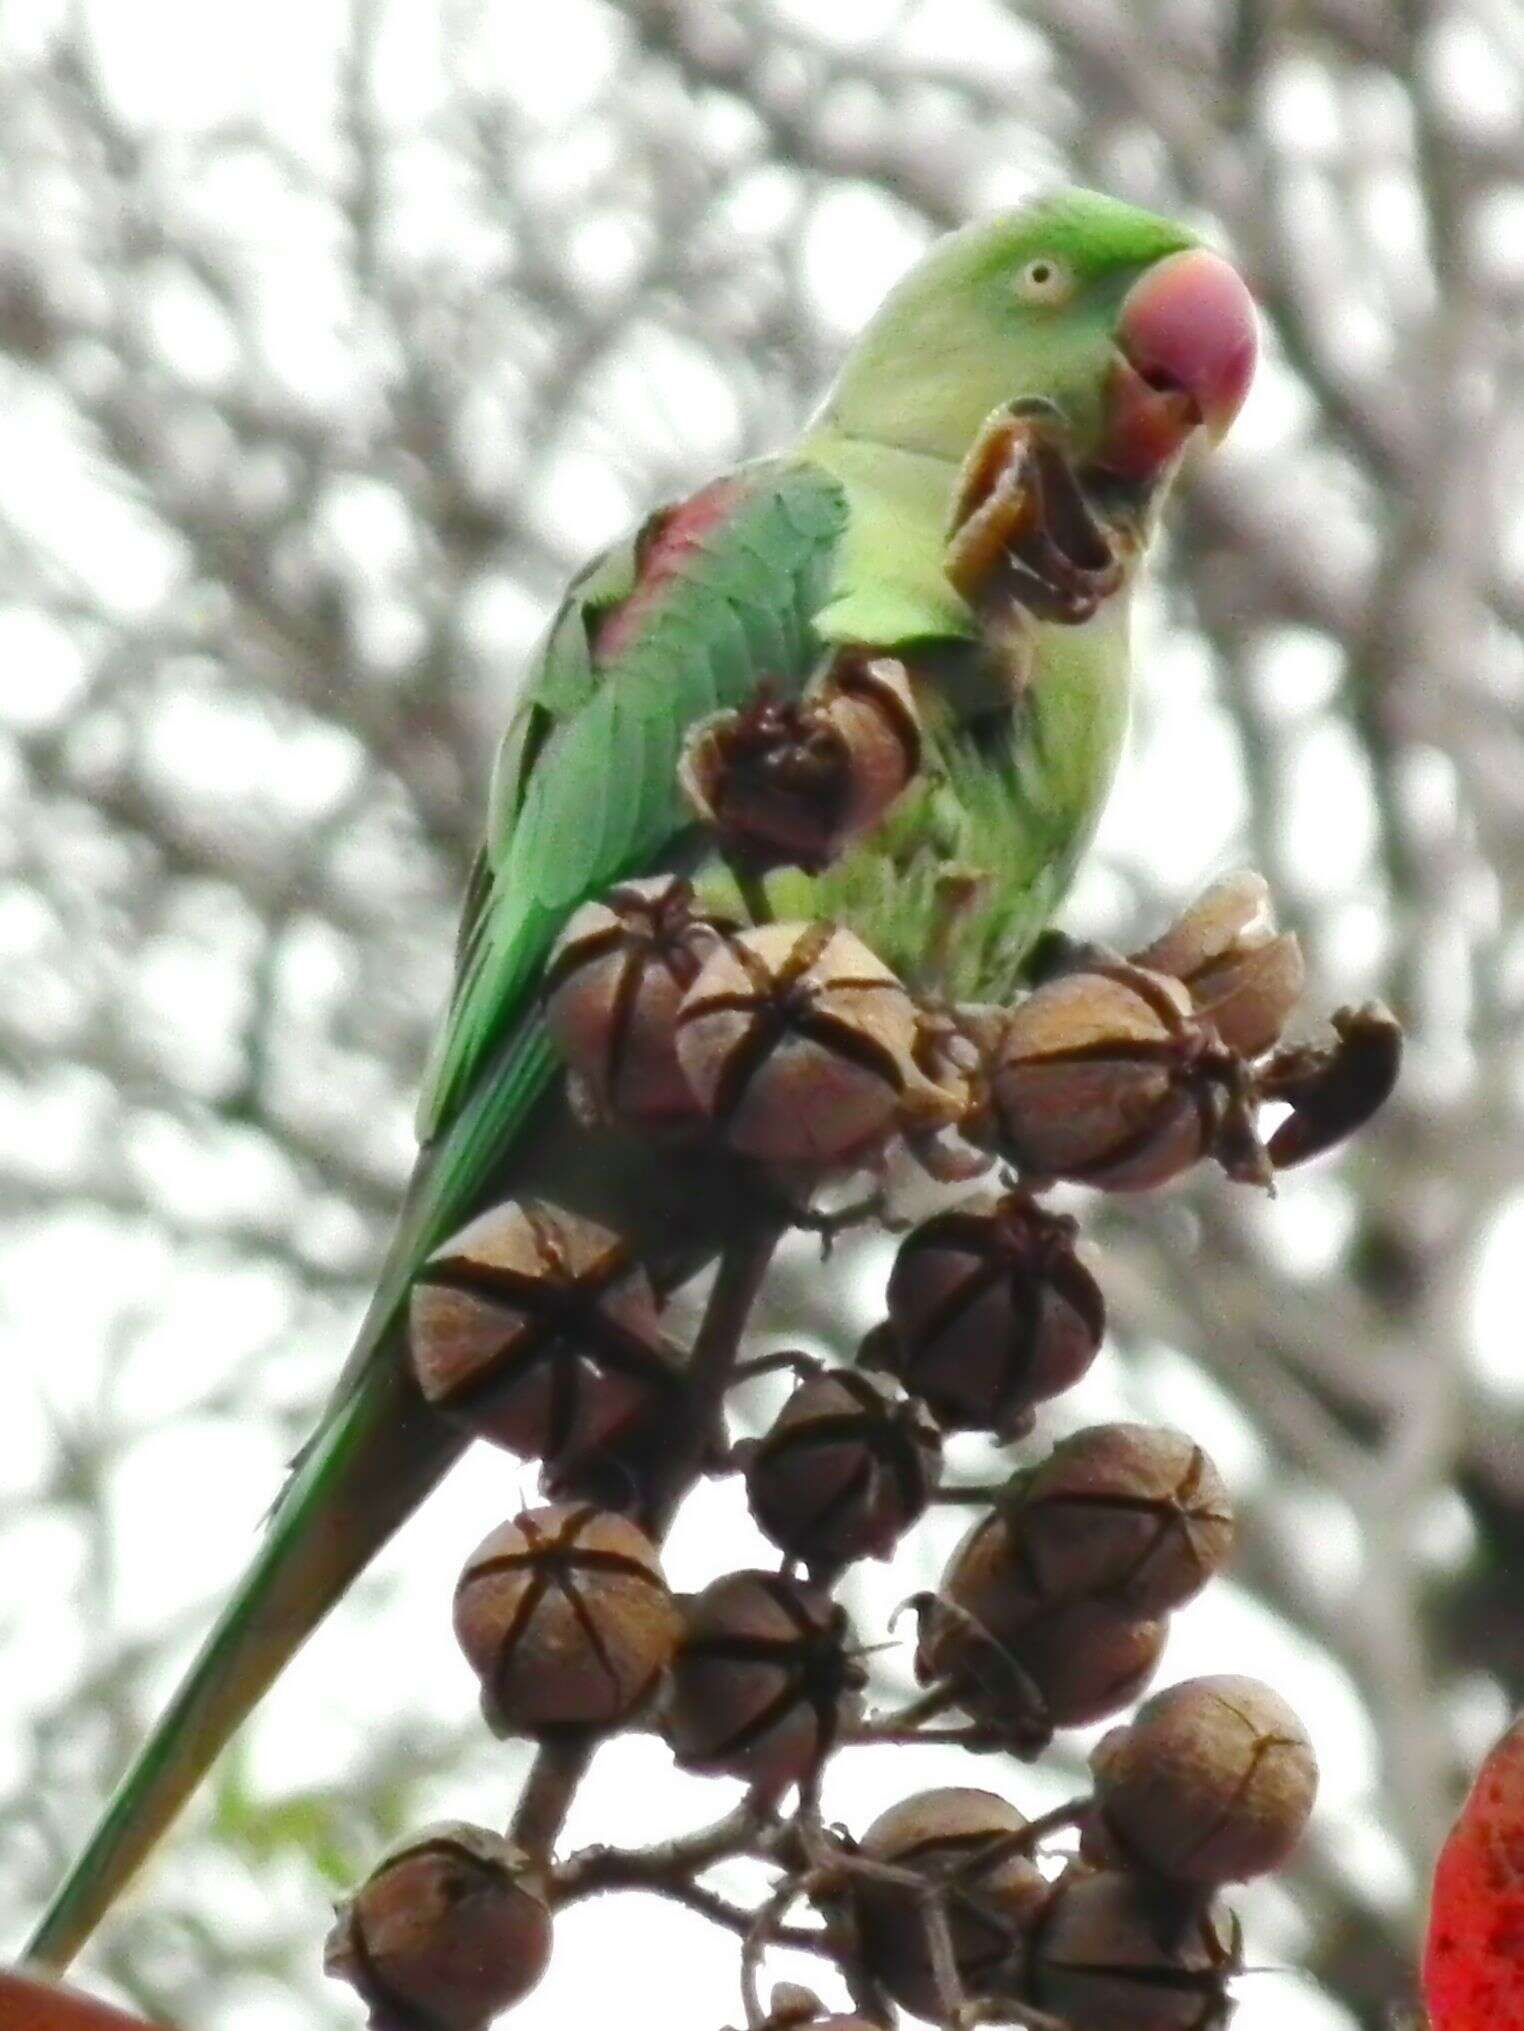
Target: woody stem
{"points": [[711, 1368], [561, 1762]]}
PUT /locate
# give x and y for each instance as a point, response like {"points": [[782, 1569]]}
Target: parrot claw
{"points": [[1026, 540]]}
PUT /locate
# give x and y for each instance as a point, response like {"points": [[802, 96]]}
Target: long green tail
{"points": [[375, 1462], [376, 1454]]}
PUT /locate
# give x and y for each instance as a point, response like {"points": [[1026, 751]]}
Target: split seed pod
{"points": [[537, 1330], [800, 1046], [793, 2008], [1243, 977], [1136, 1514], [566, 1619], [1069, 1666], [796, 2009], [1212, 1782], [449, 1930], [1332, 1089], [789, 783], [991, 1312], [1118, 1954], [1110, 1081], [964, 1840], [613, 987], [763, 1680], [846, 1467]]}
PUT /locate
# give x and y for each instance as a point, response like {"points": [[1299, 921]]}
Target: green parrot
{"points": [[1128, 338]]}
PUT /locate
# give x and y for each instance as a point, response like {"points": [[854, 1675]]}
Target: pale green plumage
{"points": [[841, 540]]}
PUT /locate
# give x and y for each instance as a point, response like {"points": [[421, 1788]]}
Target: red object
{"points": [[28, 2005], [1188, 325], [665, 550], [1473, 1962]]}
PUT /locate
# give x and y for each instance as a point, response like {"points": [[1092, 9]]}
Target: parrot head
{"points": [[1141, 337]]}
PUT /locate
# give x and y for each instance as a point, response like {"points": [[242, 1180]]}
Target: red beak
{"points": [[1187, 339]]}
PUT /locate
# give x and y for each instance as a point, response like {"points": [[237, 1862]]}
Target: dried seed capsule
{"points": [[1069, 1666], [1212, 1782], [1243, 978], [800, 1046], [847, 1465], [791, 783], [449, 1930], [990, 1313], [612, 991], [787, 2022], [1108, 1081], [792, 2008], [961, 1839], [1118, 1954], [1332, 1089], [1135, 1513], [566, 1619], [537, 1330], [762, 1681], [788, 2019], [989, 1580]]}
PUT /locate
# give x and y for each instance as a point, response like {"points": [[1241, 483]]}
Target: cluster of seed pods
{"points": [[797, 1056]]}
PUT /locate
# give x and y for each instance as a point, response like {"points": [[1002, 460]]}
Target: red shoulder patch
{"points": [[1473, 1963], [666, 543]]}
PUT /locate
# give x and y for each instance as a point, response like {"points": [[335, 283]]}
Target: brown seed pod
{"points": [[963, 1840], [791, 783], [612, 990], [847, 1465], [763, 1680], [800, 1046], [1116, 1953], [536, 1329], [566, 1619], [449, 1930], [989, 1580], [787, 2022], [1243, 978], [990, 1313], [1071, 1665], [1110, 1081], [1135, 1513], [1332, 1089], [792, 2008], [1212, 1782]]}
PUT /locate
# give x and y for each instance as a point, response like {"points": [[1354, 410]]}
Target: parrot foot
{"points": [[1026, 541]]}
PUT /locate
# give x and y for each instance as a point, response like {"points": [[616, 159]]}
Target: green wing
{"points": [[686, 619], [584, 791]]}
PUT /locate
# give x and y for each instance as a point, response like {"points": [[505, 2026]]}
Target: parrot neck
{"points": [[924, 375], [890, 583]]}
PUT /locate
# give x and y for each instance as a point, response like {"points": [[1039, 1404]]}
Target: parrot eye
{"points": [[1044, 279]]}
